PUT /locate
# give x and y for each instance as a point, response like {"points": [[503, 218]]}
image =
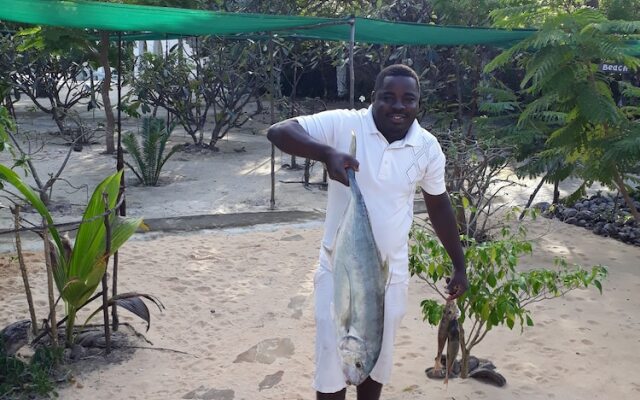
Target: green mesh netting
{"points": [[161, 22]]}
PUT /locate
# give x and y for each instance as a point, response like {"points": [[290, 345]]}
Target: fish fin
{"points": [[352, 148], [328, 251]]}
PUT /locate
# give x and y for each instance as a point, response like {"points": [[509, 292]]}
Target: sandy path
{"points": [[228, 292]]}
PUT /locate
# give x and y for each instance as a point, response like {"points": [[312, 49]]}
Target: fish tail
{"points": [[352, 148]]}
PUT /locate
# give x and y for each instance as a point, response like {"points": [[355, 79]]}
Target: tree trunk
{"points": [[533, 196], [58, 119], [625, 194], [44, 196], [464, 364], [106, 84], [464, 361], [556, 192]]}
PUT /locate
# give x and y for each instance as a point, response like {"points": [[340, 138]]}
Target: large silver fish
{"points": [[360, 278]]}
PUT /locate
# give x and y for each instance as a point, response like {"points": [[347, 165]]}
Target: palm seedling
{"points": [[77, 272], [148, 153]]}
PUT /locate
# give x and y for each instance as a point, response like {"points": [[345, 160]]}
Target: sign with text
{"points": [[613, 68]]}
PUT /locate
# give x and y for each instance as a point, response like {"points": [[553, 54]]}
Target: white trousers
{"points": [[328, 375]]}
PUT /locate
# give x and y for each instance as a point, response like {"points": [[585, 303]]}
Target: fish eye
{"points": [[358, 365]]}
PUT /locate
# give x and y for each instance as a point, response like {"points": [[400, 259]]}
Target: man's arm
{"points": [[290, 137], [443, 221]]}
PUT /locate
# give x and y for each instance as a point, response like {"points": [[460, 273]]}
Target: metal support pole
{"points": [[120, 167], [272, 112], [352, 39]]}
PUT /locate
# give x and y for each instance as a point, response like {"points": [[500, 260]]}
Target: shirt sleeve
{"points": [[433, 180], [321, 126]]}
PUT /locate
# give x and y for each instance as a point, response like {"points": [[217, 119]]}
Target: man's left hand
{"points": [[457, 284]]}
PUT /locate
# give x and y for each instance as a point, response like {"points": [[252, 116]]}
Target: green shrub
{"points": [[148, 154], [499, 293], [19, 379]]}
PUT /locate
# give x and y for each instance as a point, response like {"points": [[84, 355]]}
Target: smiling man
{"points": [[394, 154]]}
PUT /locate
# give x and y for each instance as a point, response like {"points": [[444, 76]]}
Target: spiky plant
{"points": [[596, 137], [148, 154]]}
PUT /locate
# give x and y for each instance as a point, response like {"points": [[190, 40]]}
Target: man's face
{"points": [[395, 106]]}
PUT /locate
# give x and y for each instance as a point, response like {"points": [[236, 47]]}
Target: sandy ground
{"points": [[239, 322]]}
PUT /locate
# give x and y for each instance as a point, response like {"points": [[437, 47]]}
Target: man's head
{"points": [[396, 97]]}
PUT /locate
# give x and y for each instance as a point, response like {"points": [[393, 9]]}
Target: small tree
{"points": [[499, 293], [148, 156], [599, 139], [216, 79], [46, 62], [473, 179]]}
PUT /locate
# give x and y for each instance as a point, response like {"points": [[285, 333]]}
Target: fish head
{"points": [[356, 362]]}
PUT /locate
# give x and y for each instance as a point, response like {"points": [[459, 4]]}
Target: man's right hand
{"points": [[290, 137], [337, 163]]}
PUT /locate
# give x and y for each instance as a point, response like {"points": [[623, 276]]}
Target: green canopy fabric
{"points": [[161, 22], [405, 33], [145, 22]]}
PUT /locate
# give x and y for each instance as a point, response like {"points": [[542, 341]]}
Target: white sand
{"points": [[227, 291]]}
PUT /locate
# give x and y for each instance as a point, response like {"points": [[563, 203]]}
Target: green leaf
{"points": [[598, 285], [465, 202], [529, 321], [510, 322], [491, 280], [132, 302]]}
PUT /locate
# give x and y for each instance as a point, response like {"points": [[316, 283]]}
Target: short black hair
{"points": [[396, 70]]}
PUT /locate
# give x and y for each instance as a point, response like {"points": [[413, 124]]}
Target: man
{"points": [[393, 154]]}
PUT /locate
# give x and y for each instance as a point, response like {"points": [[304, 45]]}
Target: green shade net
{"points": [[162, 22], [144, 22], [404, 33]]}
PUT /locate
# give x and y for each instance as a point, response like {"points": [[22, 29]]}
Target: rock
{"points": [[484, 363], [572, 221], [542, 206], [15, 336], [569, 213], [215, 394], [267, 351], [77, 352], [582, 223], [474, 362], [586, 215], [210, 394], [488, 375], [609, 228], [270, 381], [433, 374]]}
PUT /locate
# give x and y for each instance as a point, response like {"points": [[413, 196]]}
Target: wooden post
{"points": [[23, 271], [52, 302]]}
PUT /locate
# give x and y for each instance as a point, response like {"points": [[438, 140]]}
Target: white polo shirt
{"points": [[387, 177]]}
